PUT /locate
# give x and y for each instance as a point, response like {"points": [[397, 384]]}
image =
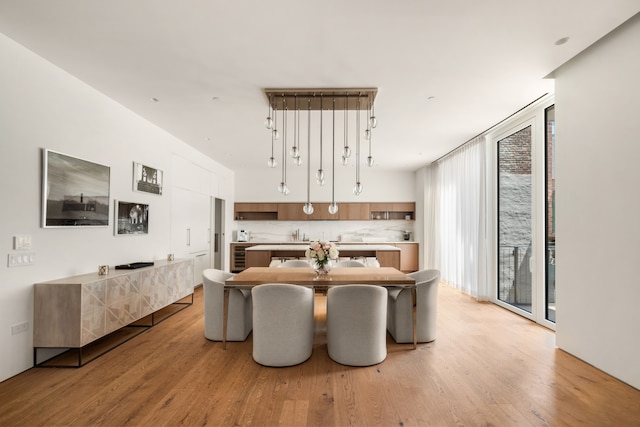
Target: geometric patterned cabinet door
{"points": [[74, 311]]}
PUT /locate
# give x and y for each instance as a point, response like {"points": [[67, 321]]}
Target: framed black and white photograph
{"points": [[147, 179], [131, 218], [75, 192]]}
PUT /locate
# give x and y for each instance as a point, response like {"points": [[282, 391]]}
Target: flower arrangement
{"points": [[321, 252]]}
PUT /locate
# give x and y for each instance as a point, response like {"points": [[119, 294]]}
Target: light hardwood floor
{"points": [[487, 367]]}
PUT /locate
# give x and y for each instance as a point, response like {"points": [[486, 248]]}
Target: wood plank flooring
{"points": [[486, 367]]}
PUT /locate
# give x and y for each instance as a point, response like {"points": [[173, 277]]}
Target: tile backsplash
{"points": [[345, 231]]}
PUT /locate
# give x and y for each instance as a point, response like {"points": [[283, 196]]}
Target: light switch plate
{"points": [[22, 243], [19, 259]]}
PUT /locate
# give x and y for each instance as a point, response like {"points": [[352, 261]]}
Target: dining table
{"points": [[378, 276]]}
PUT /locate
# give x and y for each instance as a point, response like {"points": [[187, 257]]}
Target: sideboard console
{"points": [[75, 311]]}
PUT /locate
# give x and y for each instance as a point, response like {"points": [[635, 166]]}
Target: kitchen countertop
{"points": [[299, 246], [338, 244]]}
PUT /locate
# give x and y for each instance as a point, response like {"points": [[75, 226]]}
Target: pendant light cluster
{"points": [[321, 100]]}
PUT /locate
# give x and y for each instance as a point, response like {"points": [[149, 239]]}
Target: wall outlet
{"points": [[21, 259], [19, 328]]}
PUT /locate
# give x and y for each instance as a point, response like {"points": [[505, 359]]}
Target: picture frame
{"points": [[75, 192], [131, 218], [147, 179]]}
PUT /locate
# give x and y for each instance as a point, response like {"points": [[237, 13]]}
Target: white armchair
{"points": [[283, 324], [294, 263], [356, 324], [350, 263], [400, 309], [239, 323]]}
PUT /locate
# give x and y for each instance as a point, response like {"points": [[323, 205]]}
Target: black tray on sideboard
{"points": [[133, 265]]}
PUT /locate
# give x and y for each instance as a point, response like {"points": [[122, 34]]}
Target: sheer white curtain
{"points": [[455, 218]]}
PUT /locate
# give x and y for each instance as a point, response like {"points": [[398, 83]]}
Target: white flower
{"points": [[321, 252]]}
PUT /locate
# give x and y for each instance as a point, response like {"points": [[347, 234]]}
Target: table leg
{"points": [[415, 315], [225, 317]]}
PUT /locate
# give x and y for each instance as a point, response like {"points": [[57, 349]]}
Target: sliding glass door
{"points": [[550, 223], [515, 220]]}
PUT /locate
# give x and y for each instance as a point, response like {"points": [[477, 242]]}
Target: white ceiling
{"points": [[480, 60]]}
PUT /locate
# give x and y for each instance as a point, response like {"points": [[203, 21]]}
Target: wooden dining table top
{"points": [[381, 276]]}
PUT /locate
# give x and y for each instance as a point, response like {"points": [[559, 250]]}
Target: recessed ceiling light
{"points": [[154, 99], [215, 98], [207, 138], [562, 41], [430, 98]]}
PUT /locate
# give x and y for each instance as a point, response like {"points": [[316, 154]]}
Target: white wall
{"points": [[598, 221], [44, 107], [379, 185]]}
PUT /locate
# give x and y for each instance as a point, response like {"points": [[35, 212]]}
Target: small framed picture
{"points": [[147, 179], [131, 218]]}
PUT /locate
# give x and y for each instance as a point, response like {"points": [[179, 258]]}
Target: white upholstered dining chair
{"points": [[400, 308], [283, 324], [294, 263], [356, 324], [240, 313], [350, 263]]}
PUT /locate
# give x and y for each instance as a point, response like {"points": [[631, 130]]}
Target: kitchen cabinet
{"points": [[354, 211], [349, 211], [409, 256], [256, 211], [291, 212], [401, 210]]}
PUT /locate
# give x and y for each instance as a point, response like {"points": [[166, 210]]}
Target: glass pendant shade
{"points": [[276, 134], [367, 134], [268, 123], [282, 188], [333, 208], [344, 160], [373, 122], [357, 189], [346, 152], [297, 161], [307, 208], [320, 177], [370, 161], [272, 162], [294, 152]]}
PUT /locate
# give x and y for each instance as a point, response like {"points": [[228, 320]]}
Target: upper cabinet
{"points": [[404, 210], [256, 211], [346, 211]]}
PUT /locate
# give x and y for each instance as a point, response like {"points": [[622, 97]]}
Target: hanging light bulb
{"points": [[308, 207], [297, 160], [373, 122], [367, 134], [370, 157], [295, 151], [357, 189], [333, 207], [275, 134], [320, 172], [283, 184], [346, 151], [268, 123], [272, 160]]}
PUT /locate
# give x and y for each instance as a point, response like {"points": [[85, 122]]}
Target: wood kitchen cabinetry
{"points": [[409, 257], [403, 210], [256, 211], [346, 211]]}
